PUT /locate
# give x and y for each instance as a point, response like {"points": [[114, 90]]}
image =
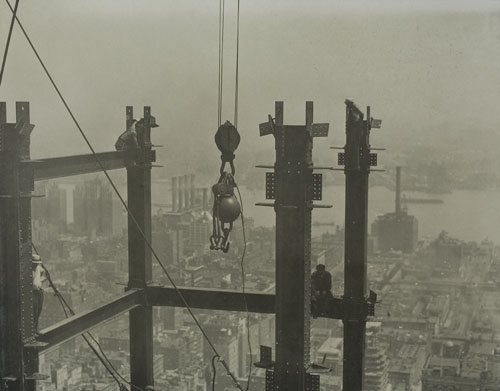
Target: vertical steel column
{"points": [[293, 206], [357, 168], [139, 202], [294, 187], [11, 356], [17, 364]]}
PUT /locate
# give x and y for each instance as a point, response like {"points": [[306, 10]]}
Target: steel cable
{"points": [[132, 217], [9, 36]]}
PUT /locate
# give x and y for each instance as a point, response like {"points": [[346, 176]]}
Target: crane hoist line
{"points": [[132, 218], [226, 207]]}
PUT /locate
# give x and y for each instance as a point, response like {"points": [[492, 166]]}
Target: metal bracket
{"points": [[322, 168], [24, 129], [375, 123], [270, 382], [373, 159], [317, 187], [360, 308], [312, 382], [270, 186], [268, 204], [268, 127], [341, 159], [320, 130], [266, 359], [33, 344], [36, 376], [321, 206], [316, 368]]}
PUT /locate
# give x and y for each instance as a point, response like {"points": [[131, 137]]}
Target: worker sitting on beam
{"points": [[321, 290]]}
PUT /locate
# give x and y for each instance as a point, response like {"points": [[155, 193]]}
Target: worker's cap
{"points": [[35, 258], [320, 266]]}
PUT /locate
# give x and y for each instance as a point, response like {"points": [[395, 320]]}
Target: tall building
{"points": [[56, 208], [96, 211], [447, 253], [376, 363], [49, 213], [200, 231], [397, 230]]}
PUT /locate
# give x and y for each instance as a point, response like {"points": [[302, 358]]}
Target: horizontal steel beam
{"points": [[230, 300], [82, 322], [210, 299], [59, 167]]}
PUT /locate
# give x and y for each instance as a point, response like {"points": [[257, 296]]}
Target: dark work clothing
{"points": [[321, 286], [321, 282], [127, 140], [37, 306]]}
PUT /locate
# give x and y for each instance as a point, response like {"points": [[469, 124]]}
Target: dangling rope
{"points": [[7, 45], [88, 337], [124, 204]]}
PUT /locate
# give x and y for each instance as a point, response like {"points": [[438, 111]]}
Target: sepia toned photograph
{"points": [[252, 195]]}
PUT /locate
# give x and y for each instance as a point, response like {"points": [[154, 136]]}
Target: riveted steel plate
{"points": [[320, 130], [341, 159], [317, 185], [269, 380], [312, 382], [270, 186], [266, 353], [373, 159]]}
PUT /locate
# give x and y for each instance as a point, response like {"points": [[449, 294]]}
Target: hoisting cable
{"points": [[69, 311], [7, 44], [221, 61], [226, 208], [236, 82], [132, 217], [227, 138]]}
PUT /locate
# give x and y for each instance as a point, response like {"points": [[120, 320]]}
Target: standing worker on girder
{"points": [[38, 277], [321, 287]]}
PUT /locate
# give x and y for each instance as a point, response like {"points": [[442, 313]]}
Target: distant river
{"points": [[465, 214]]}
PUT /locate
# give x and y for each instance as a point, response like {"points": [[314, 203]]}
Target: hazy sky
{"points": [[429, 69]]}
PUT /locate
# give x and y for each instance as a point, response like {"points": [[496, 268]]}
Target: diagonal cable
{"points": [[67, 309], [7, 44], [120, 197]]}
